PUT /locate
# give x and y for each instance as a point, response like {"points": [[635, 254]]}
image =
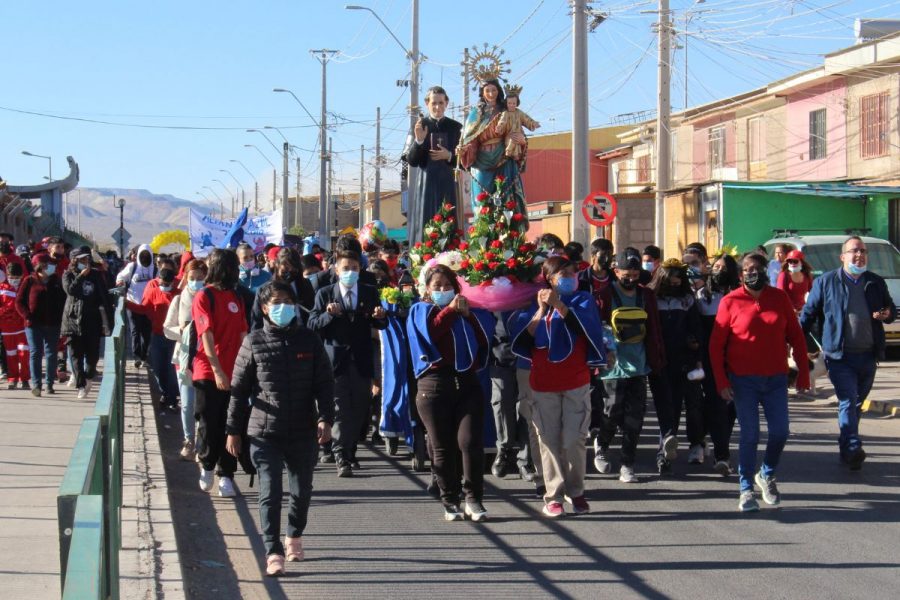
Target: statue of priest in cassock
{"points": [[432, 150]]}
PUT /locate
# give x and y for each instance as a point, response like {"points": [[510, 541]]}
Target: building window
{"points": [[716, 149], [873, 125], [756, 140], [817, 134], [643, 169]]}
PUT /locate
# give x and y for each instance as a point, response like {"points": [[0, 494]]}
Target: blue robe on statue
{"points": [[396, 420]]}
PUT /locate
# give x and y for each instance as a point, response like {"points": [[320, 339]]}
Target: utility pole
{"points": [[284, 186], [412, 173], [256, 197], [331, 190], [322, 56], [581, 183], [376, 203], [362, 186], [663, 110], [298, 207], [274, 188]]}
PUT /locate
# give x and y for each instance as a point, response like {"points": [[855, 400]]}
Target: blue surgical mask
{"points": [[51, 269], [166, 288], [648, 266], [856, 270], [566, 285], [442, 298], [195, 285], [349, 278], [282, 314]]}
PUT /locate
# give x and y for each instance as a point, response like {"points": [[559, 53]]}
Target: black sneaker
{"points": [[500, 468], [855, 458], [527, 472], [393, 444], [475, 510], [663, 466], [327, 459], [433, 488], [344, 469], [50, 389], [539, 490], [453, 513]]}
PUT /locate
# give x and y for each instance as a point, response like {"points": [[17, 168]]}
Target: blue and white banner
{"points": [[208, 232]]}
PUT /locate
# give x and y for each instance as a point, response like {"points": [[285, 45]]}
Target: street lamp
{"points": [[262, 133], [219, 181], [243, 199], [255, 184], [282, 90], [49, 160], [214, 193], [414, 57], [274, 170], [120, 204]]}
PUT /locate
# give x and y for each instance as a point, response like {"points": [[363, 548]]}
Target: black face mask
{"points": [[719, 279], [167, 276], [756, 281], [145, 260], [627, 283], [603, 260], [5, 248], [288, 276]]}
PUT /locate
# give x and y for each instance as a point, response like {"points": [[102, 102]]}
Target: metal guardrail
{"points": [[89, 501]]}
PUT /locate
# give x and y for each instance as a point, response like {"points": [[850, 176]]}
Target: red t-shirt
{"points": [[795, 291], [228, 324], [570, 374]]}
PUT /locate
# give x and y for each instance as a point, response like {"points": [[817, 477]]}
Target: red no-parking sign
{"points": [[599, 209]]}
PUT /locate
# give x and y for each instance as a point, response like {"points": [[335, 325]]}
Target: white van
{"points": [[823, 253]]}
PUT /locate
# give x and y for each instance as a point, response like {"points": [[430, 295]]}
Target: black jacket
{"points": [[87, 303], [305, 295], [348, 337], [287, 374]]}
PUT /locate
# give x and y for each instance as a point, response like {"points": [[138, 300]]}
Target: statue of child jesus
{"points": [[513, 120]]}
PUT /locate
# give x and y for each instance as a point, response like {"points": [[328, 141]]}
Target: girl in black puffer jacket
{"points": [[284, 369]]}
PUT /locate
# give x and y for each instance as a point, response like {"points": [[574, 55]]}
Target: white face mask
{"points": [[795, 268]]}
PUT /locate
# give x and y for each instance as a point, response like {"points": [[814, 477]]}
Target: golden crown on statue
{"points": [[485, 64], [513, 90]]}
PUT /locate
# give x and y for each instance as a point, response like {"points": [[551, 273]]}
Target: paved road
{"points": [[379, 535]]}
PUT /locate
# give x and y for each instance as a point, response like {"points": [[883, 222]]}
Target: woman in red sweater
{"points": [[748, 352], [796, 279]]}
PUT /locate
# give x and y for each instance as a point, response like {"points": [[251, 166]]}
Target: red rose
{"points": [[464, 264], [438, 218], [427, 257], [511, 263], [496, 244], [471, 230], [434, 235], [513, 234], [529, 262], [501, 178], [479, 265], [418, 244], [517, 217], [493, 265], [511, 205], [429, 244], [448, 206], [523, 248], [464, 245], [498, 225], [485, 210], [451, 219], [482, 196], [490, 255]]}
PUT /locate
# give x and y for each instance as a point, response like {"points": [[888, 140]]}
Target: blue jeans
{"points": [[188, 420], [852, 377], [751, 391], [42, 342], [300, 454], [161, 350]]}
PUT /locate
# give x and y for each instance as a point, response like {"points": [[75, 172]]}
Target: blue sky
{"points": [[184, 79]]}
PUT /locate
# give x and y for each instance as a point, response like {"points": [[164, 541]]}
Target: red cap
{"points": [[272, 254], [795, 255]]}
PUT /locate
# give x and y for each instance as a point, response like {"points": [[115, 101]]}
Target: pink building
{"points": [[816, 130], [714, 147]]}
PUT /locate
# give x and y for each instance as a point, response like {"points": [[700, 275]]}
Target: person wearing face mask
{"points": [[431, 148], [288, 269], [85, 317], [135, 277], [285, 424], [449, 344], [851, 305], [7, 257], [155, 303], [12, 329], [795, 279], [719, 415], [41, 300], [390, 254], [748, 350], [343, 316], [252, 277], [631, 312], [563, 337], [176, 328]]}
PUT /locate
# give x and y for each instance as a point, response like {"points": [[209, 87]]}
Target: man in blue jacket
{"points": [[851, 305]]}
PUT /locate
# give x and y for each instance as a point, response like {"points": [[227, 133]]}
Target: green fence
{"points": [[89, 502]]}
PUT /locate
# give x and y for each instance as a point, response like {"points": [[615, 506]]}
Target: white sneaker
{"points": [[626, 475], [695, 456], [226, 488], [71, 381], [88, 384], [206, 479], [670, 448], [82, 393]]}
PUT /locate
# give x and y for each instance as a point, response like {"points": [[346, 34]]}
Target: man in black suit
{"points": [[432, 150], [346, 242], [343, 316]]}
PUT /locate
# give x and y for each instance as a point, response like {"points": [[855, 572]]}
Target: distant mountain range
{"points": [[146, 213]]}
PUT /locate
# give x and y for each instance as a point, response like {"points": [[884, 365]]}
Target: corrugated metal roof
{"points": [[831, 190]]}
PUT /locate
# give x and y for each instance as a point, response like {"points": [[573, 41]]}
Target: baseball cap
{"points": [[628, 261]]}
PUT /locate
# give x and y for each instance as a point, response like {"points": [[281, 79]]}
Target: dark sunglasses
{"points": [[793, 262]]}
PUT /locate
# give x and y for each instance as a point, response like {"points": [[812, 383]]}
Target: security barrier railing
{"points": [[89, 502]]}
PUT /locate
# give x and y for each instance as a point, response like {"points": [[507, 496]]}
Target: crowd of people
{"points": [[285, 359]]}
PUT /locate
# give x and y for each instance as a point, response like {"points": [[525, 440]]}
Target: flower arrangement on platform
{"points": [[393, 295], [441, 234], [497, 246]]}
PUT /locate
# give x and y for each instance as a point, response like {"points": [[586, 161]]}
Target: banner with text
{"points": [[208, 232]]}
